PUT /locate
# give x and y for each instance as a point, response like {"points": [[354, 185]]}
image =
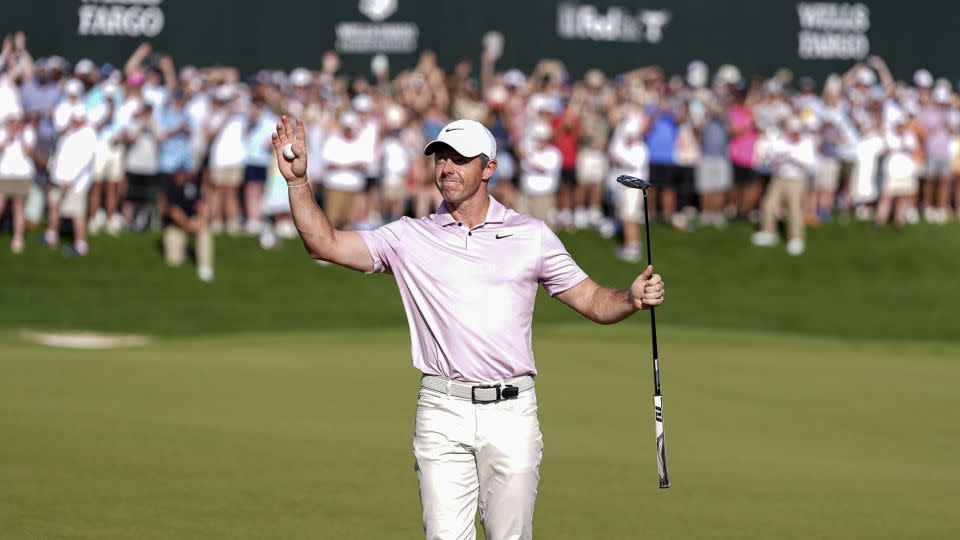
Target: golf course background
{"points": [[810, 397]]}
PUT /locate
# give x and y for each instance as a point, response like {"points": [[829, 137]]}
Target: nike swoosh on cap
{"points": [[452, 129]]}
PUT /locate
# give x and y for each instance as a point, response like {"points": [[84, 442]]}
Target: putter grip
{"points": [[662, 476]]}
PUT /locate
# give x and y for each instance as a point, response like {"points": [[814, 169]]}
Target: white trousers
{"points": [[470, 457]]}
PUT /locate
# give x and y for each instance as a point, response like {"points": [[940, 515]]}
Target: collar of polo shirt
{"points": [[496, 212]]}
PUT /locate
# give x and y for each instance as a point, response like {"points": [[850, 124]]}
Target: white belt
{"points": [[479, 393]]}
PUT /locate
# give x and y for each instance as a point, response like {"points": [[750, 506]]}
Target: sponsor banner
{"points": [[831, 30], [617, 23], [132, 18], [812, 38]]}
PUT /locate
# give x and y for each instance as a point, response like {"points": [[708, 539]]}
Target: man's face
{"points": [[458, 178]]}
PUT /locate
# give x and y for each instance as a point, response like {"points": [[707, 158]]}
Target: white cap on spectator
{"points": [[941, 94], [773, 86], [697, 74], [362, 103], [56, 62], [539, 103], [922, 78], [497, 95], [278, 78], [866, 76], [73, 87], [84, 67], [349, 120], [300, 77], [729, 74], [467, 137], [541, 131], [515, 78], [226, 92], [188, 72], [395, 116]]}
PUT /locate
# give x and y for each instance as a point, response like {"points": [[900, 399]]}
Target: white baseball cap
{"points": [[73, 87], [923, 78], [541, 131], [362, 103], [84, 67], [349, 120], [468, 138], [300, 77], [941, 94]]}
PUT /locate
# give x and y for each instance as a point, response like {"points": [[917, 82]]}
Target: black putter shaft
{"points": [[653, 315], [637, 183], [662, 477]]}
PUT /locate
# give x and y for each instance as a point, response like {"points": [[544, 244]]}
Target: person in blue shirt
{"points": [[175, 158], [661, 138]]}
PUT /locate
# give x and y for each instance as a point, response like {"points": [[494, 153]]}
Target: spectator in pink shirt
{"points": [[468, 277], [747, 188]]}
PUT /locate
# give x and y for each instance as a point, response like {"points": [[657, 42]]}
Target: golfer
{"points": [[468, 278]]}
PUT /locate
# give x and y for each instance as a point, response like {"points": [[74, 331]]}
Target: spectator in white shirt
{"points": [[368, 209], [142, 136], [540, 166], [629, 155], [62, 114], [792, 158], [935, 131], [900, 174], [108, 167], [71, 174], [17, 170], [226, 129], [398, 156], [347, 158]]}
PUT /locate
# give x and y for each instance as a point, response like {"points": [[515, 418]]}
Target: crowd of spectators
{"points": [[94, 149]]}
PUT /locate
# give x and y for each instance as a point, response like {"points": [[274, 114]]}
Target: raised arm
{"points": [[605, 305], [135, 62], [320, 239]]}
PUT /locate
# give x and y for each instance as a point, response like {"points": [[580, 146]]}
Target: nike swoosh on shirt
{"points": [[452, 129], [504, 236]]}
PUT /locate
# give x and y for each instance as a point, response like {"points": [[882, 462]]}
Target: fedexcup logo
{"points": [[618, 23], [378, 10], [377, 36]]}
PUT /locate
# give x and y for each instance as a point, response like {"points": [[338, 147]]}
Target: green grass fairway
{"points": [[308, 435]]}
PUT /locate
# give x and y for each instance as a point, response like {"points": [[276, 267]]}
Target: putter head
{"points": [[634, 182]]}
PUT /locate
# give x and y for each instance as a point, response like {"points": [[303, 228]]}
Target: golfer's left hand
{"points": [[647, 290]]}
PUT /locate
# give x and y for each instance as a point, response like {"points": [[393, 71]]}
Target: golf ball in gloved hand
{"points": [[288, 152]]}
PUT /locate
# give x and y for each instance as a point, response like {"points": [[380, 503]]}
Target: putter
{"points": [[637, 183]]}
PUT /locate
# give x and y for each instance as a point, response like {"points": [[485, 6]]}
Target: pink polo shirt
{"points": [[469, 293]]}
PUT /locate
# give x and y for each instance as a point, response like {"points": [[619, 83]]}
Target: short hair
{"points": [[484, 161]]}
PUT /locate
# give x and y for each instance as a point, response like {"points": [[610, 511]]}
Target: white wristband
{"points": [[305, 182]]}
